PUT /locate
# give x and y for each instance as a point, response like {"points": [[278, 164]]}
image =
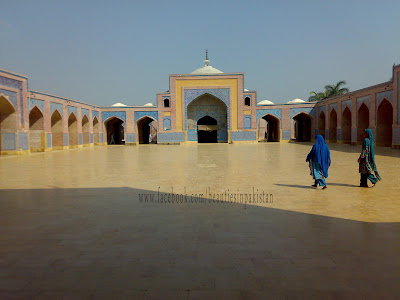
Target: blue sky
{"points": [[102, 52]]}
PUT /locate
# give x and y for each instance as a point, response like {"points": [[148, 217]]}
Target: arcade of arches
{"points": [[8, 118], [36, 129], [115, 131], [333, 126], [302, 127], [346, 126], [73, 130], [269, 129], [57, 130], [362, 122], [384, 124], [147, 129]]}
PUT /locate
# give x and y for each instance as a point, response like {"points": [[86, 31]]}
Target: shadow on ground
{"points": [[104, 243]]}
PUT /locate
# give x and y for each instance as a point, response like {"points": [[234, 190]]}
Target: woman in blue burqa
{"points": [[366, 161], [319, 160]]}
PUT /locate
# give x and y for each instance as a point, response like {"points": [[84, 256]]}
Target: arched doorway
{"points": [[321, 124], [57, 136], [85, 130], [115, 131], [272, 128], [8, 118], [302, 127], [96, 130], [211, 112], [36, 129], [147, 128], [333, 126], [73, 130], [362, 122], [346, 126], [384, 124], [207, 128]]}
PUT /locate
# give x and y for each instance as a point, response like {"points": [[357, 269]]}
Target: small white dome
{"points": [[149, 104], [207, 70], [118, 104], [296, 101], [265, 102], [246, 90]]}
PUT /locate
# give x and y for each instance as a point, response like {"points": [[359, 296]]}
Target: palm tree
{"points": [[315, 97], [336, 89]]}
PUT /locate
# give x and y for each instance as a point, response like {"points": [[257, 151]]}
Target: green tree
{"points": [[315, 97], [336, 89]]}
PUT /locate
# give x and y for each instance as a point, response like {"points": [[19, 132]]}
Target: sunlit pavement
{"points": [[101, 223]]}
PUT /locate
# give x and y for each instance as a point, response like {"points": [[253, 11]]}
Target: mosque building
{"points": [[205, 106]]}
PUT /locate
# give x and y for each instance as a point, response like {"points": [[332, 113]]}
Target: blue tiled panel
{"points": [[171, 137], [192, 94], [85, 111], [396, 136], [247, 122], [108, 114], [382, 95], [192, 135], [66, 139], [167, 123], [8, 141], [73, 109], [339, 134], [361, 100], [38, 103], [91, 139], [308, 110], [285, 134], [49, 140], [347, 103], [58, 106], [243, 135], [331, 106], [95, 113], [12, 97], [23, 140], [321, 109], [354, 135], [17, 85], [80, 140], [140, 114], [130, 137], [222, 135], [101, 138], [275, 112]]}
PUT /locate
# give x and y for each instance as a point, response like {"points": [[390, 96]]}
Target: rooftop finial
{"points": [[207, 61]]}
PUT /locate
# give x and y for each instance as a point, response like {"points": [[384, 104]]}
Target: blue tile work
{"points": [[347, 103], [275, 112], [12, 97], [247, 122], [84, 111], [73, 109], [243, 135], [80, 140], [322, 109], [38, 103], [361, 100], [66, 139], [222, 135], [306, 110], [49, 140], [8, 141], [285, 134], [192, 94], [171, 137], [380, 96], [101, 138], [58, 106], [354, 135], [118, 114], [396, 136], [332, 106], [23, 140], [95, 113], [339, 134], [140, 114], [17, 85], [130, 137], [167, 123], [192, 135]]}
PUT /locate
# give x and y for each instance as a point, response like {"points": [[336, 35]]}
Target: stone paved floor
{"points": [[72, 225]]}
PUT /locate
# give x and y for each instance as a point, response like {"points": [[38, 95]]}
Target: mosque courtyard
{"points": [[146, 222]]}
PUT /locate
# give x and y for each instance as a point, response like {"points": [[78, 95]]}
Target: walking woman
{"points": [[366, 161], [319, 160]]}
